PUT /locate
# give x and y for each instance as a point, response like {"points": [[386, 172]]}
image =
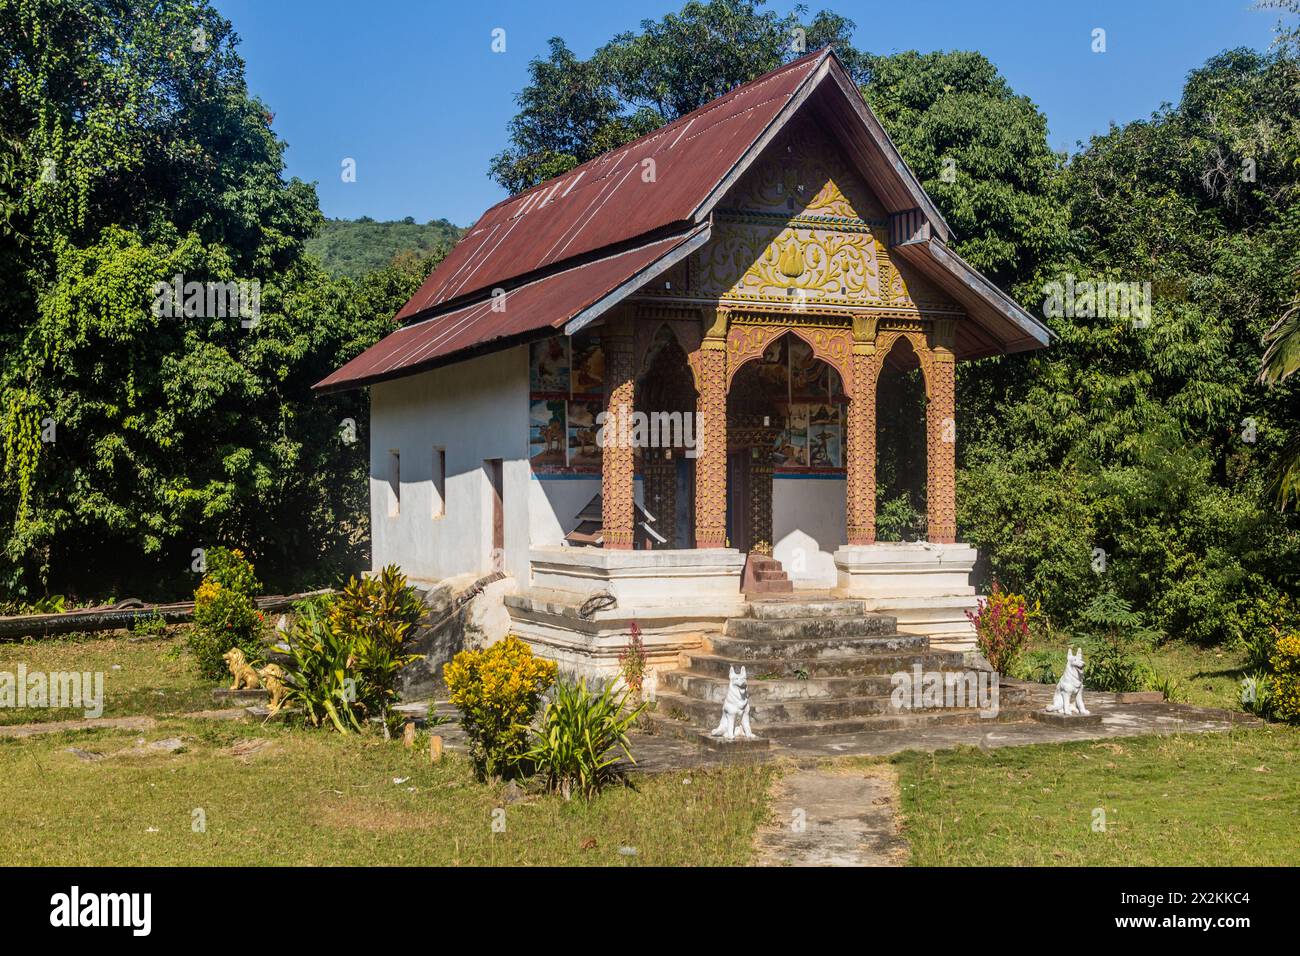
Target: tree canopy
{"points": [[133, 155], [1128, 459]]}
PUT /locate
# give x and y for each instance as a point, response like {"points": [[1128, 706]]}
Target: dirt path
{"points": [[91, 723], [834, 817]]}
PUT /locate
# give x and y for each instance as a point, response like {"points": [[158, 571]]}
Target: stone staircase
{"points": [[814, 667]]}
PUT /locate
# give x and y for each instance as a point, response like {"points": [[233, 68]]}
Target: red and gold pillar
{"points": [[709, 362], [860, 443], [617, 464], [941, 436]]}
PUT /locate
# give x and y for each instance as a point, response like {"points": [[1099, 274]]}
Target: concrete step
{"points": [[802, 628], [670, 708], [770, 714], [779, 610], [779, 690], [747, 649], [715, 665], [771, 687]]}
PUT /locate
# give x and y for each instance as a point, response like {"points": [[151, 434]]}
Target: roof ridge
{"points": [[710, 106]]}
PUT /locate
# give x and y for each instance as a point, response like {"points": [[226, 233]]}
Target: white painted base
{"points": [[925, 586], [638, 578], [551, 623], [676, 597]]}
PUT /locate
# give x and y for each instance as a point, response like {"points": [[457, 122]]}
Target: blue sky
{"points": [[411, 90]]}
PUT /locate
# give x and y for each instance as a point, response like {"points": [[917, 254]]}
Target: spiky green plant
{"points": [[581, 739]]}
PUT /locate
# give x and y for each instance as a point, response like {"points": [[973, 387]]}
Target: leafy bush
{"points": [[1109, 666], [899, 520], [1114, 629], [1109, 615], [317, 675], [1002, 627], [1263, 622], [497, 691], [151, 626], [1285, 699], [1042, 666], [346, 656], [225, 614], [577, 747], [50, 604]]}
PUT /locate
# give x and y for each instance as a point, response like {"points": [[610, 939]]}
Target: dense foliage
{"points": [[582, 741], [1142, 460], [132, 154], [1002, 627], [346, 653]]}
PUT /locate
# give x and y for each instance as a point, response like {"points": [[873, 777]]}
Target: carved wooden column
{"points": [[760, 515], [709, 362], [941, 436], [617, 461], [860, 450]]}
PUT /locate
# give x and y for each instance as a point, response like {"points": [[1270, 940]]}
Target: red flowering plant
{"points": [[632, 662], [1002, 627]]}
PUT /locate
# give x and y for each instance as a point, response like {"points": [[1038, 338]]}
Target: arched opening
{"points": [[785, 422], [665, 396], [901, 446]]}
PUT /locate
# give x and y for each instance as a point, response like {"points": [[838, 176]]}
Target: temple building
{"points": [[648, 389]]}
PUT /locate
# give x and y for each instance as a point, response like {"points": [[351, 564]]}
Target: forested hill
{"points": [[353, 247]]}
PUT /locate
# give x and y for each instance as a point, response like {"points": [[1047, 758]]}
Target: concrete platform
{"points": [[1114, 719]]}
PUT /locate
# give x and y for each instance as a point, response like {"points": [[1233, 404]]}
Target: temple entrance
{"points": [[785, 415], [901, 446], [665, 393]]}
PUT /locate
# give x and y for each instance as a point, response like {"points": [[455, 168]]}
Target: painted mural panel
{"points": [[566, 383], [548, 366]]}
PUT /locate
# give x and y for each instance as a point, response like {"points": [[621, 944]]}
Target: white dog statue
{"points": [[735, 709], [1068, 699]]}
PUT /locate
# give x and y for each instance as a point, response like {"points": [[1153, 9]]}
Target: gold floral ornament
{"points": [[791, 261]]}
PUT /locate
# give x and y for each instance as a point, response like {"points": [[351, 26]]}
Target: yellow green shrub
{"points": [[1285, 662], [497, 691]]}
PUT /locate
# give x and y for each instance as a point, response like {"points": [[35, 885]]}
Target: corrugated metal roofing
{"points": [[613, 198], [545, 303], [571, 246]]}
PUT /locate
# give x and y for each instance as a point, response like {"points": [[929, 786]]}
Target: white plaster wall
{"points": [[475, 410], [555, 500], [808, 523]]}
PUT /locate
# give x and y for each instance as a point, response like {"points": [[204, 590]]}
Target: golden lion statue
{"points": [[241, 670], [273, 680]]}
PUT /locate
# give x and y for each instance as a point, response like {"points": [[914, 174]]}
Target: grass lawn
{"points": [[142, 675], [1188, 800], [315, 798], [1207, 677]]}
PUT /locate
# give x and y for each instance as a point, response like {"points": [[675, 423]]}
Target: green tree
{"points": [[132, 155]]}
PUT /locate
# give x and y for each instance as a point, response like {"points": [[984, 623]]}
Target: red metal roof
{"points": [[545, 303], [612, 199], [586, 238]]}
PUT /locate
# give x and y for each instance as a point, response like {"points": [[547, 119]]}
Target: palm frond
{"points": [[1282, 354]]}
